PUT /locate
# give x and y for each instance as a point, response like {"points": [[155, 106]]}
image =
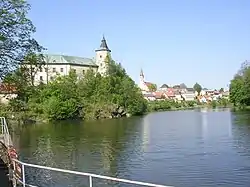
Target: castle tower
{"points": [[102, 55]]}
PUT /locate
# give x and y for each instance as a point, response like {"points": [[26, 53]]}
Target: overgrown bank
{"points": [[167, 105], [93, 97]]}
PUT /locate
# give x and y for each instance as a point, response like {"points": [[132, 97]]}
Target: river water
{"points": [[180, 148]]}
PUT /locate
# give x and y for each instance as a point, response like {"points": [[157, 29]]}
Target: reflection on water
{"points": [[145, 133], [179, 148]]}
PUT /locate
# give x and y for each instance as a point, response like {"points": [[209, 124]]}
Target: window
{"points": [[54, 69], [41, 78], [73, 70], [61, 69], [41, 69], [83, 71], [46, 69], [51, 78], [100, 56]]}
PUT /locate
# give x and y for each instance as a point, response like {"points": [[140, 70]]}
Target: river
{"points": [[179, 148]]}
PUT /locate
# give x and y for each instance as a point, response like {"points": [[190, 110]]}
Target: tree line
{"points": [[67, 97], [240, 87]]}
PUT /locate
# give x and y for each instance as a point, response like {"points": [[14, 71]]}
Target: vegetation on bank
{"points": [[165, 105], [93, 97], [240, 87]]}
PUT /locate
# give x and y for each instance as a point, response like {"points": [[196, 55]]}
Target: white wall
{"points": [[5, 98], [60, 69]]}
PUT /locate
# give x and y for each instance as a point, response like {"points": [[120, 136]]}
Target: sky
{"points": [[173, 41]]}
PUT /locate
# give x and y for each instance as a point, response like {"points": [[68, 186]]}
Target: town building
{"points": [[143, 85], [62, 64]]}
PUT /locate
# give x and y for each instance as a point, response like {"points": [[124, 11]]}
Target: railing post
{"points": [[23, 173], [2, 125], [90, 181]]}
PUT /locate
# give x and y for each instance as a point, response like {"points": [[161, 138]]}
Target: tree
{"points": [[240, 87], [93, 97], [152, 87], [15, 35], [221, 90], [31, 65], [23, 77], [197, 87]]}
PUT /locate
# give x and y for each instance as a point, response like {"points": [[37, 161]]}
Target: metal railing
{"points": [[89, 175], [5, 132]]}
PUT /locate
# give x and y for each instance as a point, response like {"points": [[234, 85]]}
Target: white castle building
{"points": [[62, 64]]}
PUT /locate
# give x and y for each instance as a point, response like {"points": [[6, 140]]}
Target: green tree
{"points": [[15, 35], [152, 87], [31, 65], [197, 87], [240, 87], [93, 97], [221, 90], [23, 77]]}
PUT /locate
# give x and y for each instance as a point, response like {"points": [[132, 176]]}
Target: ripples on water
{"points": [[180, 148]]}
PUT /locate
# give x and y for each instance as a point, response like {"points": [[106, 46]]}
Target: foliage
{"points": [[197, 87], [162, 105], [223, 102], [152, 87], [240, 87], [93, 97], [23, 78], [15, 35], [221, 90]]}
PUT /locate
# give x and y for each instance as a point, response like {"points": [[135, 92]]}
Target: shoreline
{"points": [[25, 119]]}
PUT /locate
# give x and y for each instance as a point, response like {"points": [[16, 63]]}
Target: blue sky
{"points": [[174, 41]]}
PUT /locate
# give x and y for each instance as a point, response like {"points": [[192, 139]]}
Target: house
{"points": [[164, 87], [169, 93], [159, 95], [225, 94], [7, 92], [149, 96], [203, 91], [188, 94], [143, 85], [178, 96], [56, 64], [181, 87]]}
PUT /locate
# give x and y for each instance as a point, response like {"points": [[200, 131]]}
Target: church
{"points": [[56, 64], [143, 85]]}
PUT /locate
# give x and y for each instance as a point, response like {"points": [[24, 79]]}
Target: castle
{"points": [[56, 64]]}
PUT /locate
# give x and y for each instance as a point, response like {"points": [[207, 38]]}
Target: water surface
{"points": [[179, 148]]}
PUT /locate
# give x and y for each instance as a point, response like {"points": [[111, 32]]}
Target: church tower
{"points": [[102, 55], [141, 76], [141, 83]]}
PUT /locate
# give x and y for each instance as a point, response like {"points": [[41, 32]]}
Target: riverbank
{"points": [[170, 105], [117, 112]]}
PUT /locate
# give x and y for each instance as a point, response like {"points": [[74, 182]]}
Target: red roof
{"points": [[6, 88], [170, 92], [158, 95]]}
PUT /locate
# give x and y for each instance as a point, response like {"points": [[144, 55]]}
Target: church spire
{"points": [[142, 74], [103, 46]]}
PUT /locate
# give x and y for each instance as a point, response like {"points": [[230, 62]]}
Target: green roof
{"points": [[65, 59]]}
